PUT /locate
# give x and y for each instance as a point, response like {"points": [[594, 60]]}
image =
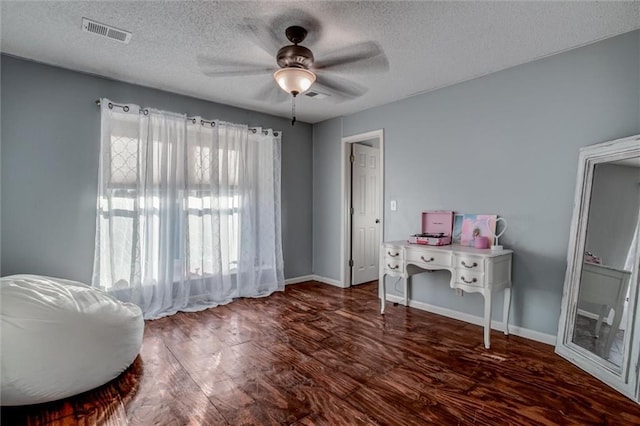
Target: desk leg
{"points": [[505, 312], [604, 311], [382, 293], [487, 319], [406, 291], [615, 326]]}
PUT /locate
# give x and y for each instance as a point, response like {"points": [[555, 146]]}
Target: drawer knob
{"points": [[431, 259], [473, 280], [393, 254], [473, 265], [393, 267]]}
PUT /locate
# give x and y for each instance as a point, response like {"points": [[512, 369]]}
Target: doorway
{"points": [[362, 206]]}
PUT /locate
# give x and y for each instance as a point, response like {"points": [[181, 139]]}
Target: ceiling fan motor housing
{"points": [[295, 56]]}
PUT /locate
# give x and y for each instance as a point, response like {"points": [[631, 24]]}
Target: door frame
{"points": [[345, 198]]}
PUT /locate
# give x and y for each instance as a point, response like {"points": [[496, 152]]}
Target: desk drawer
{"points": [[393, 264], [391, 252], [472, 279], [469, 263], [426, 258]]}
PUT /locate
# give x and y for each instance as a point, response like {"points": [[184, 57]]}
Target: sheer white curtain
{"points": [[260, 265], [188, 211]]}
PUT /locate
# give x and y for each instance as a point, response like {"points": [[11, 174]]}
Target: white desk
{"points": [[472, 270]]}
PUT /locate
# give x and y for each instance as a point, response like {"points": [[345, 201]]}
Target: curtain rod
{"points": [[126, 108]]}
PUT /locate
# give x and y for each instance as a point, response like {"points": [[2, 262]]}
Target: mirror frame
{"points": [[623, 378]]}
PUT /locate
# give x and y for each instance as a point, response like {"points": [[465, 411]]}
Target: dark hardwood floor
{"points": [[319, 355]]}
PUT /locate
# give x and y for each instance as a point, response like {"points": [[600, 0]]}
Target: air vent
{"points": [[107, 31], [316, 95]]}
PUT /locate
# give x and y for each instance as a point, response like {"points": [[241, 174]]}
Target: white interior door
{"points": [[365, 216]]}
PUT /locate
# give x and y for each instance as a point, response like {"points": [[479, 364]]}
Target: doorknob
{"points": [[377, 220]]}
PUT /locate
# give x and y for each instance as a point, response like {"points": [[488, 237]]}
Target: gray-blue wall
{"points": [[49, 167], [326, 189], [506, 143]]}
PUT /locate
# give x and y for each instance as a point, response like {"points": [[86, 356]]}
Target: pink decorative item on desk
{"points": [[437, 226], [591, 258], [477, 225], [481, 242]]}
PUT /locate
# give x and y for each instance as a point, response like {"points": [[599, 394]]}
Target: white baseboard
{"points": [[318, 278], [549, 339], [297, 280], [330, 281]]}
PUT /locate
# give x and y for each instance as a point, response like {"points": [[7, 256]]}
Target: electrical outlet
{"points": [[459, 292]]}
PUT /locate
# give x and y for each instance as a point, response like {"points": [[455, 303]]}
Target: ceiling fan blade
{"points": [[230, 68], [212, 62], [340, 87], [365, 56], [271, 93], [264, 36], [237, 73]]}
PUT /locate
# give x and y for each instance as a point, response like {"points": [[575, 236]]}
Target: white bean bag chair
{"points": [[61, 338]]}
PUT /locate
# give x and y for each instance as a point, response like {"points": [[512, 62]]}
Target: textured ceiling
{"points": [[428, 45]]}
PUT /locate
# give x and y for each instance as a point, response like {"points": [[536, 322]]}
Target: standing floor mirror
{"points": [[599, 322]]}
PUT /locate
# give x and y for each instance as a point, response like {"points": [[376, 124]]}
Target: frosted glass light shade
{"points": [[294, 80]]}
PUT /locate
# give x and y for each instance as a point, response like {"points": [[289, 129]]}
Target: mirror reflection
{"points": [[610, 252]]}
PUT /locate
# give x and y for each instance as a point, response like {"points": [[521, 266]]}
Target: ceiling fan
{"points": [[298, 68]]}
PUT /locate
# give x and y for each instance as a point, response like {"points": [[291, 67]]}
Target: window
{"points": [[188, 214], [212, 201]]}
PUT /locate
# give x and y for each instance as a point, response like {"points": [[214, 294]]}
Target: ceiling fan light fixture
{"points": [[294, 80]]}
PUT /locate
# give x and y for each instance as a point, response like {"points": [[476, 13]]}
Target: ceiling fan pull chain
{"points": [[293, 110]]}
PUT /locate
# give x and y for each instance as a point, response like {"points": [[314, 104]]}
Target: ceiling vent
{"points": [[107, 31], [316, 95]]}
